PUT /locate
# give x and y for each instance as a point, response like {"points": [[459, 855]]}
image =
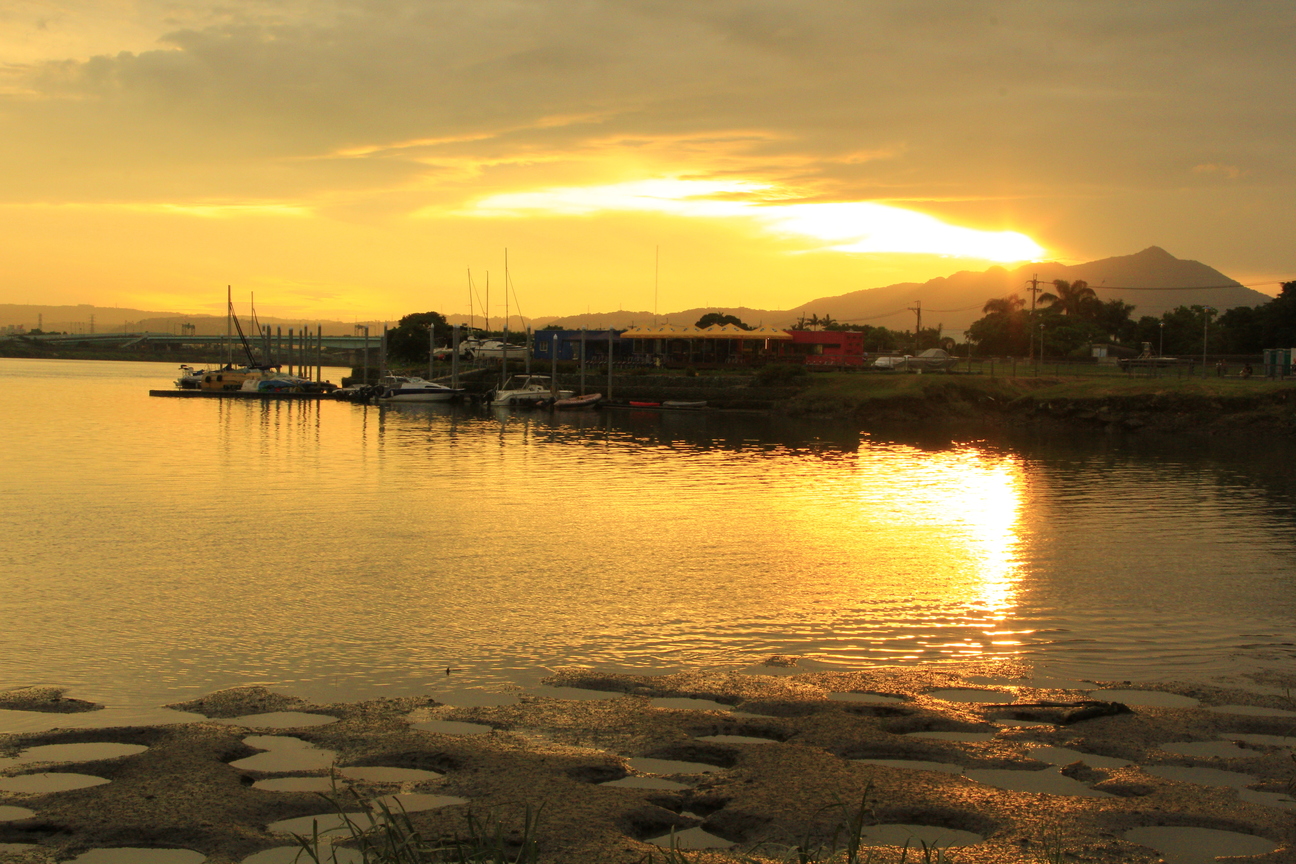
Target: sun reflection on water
{"points": [[934, 541]]}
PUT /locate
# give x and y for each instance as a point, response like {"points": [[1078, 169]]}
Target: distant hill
{"points": [[1153, 280], [112, 319]]}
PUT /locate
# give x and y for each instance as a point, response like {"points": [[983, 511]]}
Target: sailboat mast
{"points": [[229, 326], [504, 352]]}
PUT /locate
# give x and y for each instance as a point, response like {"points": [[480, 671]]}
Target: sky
{"points": [[361, 158]]}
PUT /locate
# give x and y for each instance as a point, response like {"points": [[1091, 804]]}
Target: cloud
{"points": [[1231, 172], [851, 226], [976, 99], [1074, 117]]}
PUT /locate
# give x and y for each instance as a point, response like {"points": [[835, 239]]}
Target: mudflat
{"points": [[754, 763]]}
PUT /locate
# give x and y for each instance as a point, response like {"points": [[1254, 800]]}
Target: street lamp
{"points": [[1161, 349], [1206, 313], [1041, 354]]}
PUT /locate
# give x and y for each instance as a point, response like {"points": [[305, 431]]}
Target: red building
{"points": [[822, 348]]}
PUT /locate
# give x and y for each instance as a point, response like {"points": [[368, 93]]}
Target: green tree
{"points": [[717, 318], [1242, 329], [1003, 305], [1279, 328], [1074, 299], [407, 342], [1184, 328], [1113, 319], [1004, 329]]}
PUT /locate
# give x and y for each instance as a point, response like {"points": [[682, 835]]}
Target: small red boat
{"points": [[587, 401], [634, 404]]}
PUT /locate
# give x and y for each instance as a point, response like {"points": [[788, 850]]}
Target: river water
{"points": [[157, 549]]}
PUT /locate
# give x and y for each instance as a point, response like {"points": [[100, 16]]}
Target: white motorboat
{"points": [[528, 390], [490, 349], [403, 388], [190, 378]]}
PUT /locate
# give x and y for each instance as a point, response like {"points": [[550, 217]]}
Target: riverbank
{"points": [[1180, 405], [1112, 402], [758, 762]]}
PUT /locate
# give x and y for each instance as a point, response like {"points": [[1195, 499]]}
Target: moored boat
{"points": [[490, 349], [190, 378], [408, 388], [527, 390], [589, 400], [231, 377]]}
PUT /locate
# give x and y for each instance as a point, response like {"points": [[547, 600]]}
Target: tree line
{"points": [[1074, 319], [1071, 319]]}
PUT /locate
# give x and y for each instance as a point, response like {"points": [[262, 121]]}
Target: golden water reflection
{"points": [[937, 531], [342, 551], [887, 551]]}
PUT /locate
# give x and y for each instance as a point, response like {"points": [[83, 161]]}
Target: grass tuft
{"points": [[387, 836]]}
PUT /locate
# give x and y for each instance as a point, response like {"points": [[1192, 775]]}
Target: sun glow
{"points": [[971, 502], [847, 226], [924, 542]]}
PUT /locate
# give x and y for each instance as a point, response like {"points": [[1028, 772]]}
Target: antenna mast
{"points": [[656, 279]]}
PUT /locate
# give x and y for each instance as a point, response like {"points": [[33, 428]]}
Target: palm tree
{"points": [[1073, 298], [1003, 305]]}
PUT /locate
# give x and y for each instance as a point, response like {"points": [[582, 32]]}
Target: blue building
{"points": [[568, 345]]}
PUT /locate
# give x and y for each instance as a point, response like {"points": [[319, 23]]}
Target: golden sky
{"points": [[354, 158]]}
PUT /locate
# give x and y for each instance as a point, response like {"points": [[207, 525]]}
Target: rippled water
{"points": [[160, 548]]}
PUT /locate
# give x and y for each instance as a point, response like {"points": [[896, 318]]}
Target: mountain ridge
{"points": [[1153, 280]]}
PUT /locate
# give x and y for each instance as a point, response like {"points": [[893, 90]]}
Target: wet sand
{"points": [[772, 771]]}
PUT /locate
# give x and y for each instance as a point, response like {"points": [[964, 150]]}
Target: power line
{"points": [[948, 311], [875, 317], [908, 309], [1180, 288]]}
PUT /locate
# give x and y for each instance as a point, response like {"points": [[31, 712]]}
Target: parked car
{"points": [[931, 360]]}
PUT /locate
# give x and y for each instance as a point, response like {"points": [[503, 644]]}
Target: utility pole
{"points": [[917, 308], [1034, 289]]}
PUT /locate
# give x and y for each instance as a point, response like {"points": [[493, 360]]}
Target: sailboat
{"points": [[253, 376], [492, 349]]}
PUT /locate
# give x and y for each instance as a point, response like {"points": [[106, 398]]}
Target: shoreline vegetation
{"points": [[1084, 396], [777, 762], [1115, 403]]}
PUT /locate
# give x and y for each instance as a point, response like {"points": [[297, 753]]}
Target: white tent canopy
{"points": [[715, 331]]}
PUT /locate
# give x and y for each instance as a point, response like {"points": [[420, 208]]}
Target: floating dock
{"points": [[237, 394]]}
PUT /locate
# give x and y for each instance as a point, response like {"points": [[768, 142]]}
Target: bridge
{"points": [[278, 344]]}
